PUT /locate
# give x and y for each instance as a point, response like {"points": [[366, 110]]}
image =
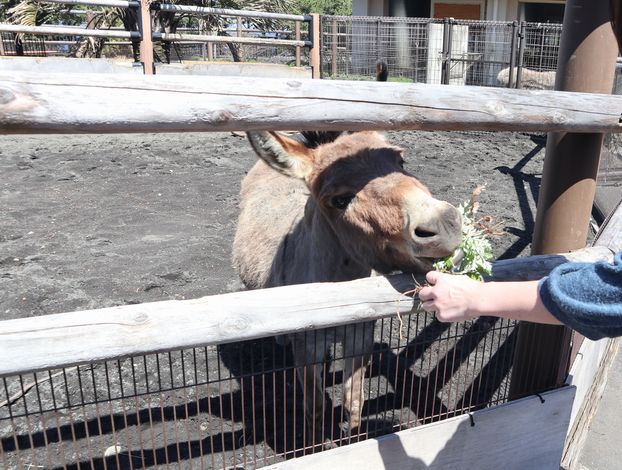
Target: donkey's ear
{"points": [[285, 155]]}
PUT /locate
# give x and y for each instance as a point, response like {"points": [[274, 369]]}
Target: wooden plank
{"points": [[51, 341], [524, 434], [610, 233], [68, 31], [589, 375], [38, 103]]}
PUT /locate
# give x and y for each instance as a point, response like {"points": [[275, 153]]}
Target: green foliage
{"points": [[324, 7], [475, 249]]}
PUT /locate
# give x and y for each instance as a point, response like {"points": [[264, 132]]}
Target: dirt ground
{"points": [[90, 221]]}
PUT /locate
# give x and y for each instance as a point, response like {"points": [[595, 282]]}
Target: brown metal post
{"points": [[513, 53], [146, 42], [586, 63], [297, 47], [333, 69], [314, 53]]}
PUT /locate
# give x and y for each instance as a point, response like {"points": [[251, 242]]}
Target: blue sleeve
{"points": [[587, 297]]}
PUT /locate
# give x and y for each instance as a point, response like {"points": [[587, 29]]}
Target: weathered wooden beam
{"points": [[38, 103], [66, 339]]}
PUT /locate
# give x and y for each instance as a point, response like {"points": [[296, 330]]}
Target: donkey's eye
{"points": [[342, 201]]}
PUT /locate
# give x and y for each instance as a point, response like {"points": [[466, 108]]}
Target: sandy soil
{"points": [[99, 220]]}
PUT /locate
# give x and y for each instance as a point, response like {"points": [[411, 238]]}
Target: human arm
{"points": [[584, 296], [458, 298]]}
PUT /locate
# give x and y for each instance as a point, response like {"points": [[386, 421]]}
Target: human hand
{"points": [[450, 296]]}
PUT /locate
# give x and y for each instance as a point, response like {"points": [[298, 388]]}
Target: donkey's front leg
{"points": [[310, 351], [358, 343]]}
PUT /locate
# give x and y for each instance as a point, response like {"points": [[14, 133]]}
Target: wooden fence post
{"points": [[314, 53], [146, 42], [587, 58]]}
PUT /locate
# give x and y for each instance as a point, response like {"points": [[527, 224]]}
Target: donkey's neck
{"points": [[317, 255]]}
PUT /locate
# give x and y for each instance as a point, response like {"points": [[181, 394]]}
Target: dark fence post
{"points": [[297, 32], [333, 70], [522, 39], [513, 54], [587, 57], [446, 54]]}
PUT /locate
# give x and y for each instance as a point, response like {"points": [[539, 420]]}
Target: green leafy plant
{"points": [[472, 256]]}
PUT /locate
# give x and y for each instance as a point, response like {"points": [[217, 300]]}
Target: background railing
{"points": [[448, 51]]}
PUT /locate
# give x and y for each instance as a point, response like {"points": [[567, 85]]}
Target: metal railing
{"points": [[447, 51], [196, 42]]}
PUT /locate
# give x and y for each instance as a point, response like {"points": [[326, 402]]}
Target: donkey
{"points": [[335, 207], [335, 211]]}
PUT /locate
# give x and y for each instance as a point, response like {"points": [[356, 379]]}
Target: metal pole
{"points": [[521, 53], [587, 58], [334, 50], [146, 42], [445, 52], [512, 53]]}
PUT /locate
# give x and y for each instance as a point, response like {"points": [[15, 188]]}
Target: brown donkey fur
{"points": [[335, 212]]}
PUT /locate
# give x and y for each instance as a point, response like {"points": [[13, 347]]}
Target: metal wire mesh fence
{"points": [[243, 404], [14, 45], [457, 52]]}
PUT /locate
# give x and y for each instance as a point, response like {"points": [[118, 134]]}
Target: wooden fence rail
{"points": [[53, 341], [34, 103]]}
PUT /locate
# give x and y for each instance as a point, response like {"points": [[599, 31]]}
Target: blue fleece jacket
{"points": [[587, 297]]}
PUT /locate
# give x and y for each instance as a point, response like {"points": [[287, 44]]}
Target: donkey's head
{"points": [[383, 217]]}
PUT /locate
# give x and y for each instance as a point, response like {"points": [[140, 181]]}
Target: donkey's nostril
{"points": [[420, 233]]}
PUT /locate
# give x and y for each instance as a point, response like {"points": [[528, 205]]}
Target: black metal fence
{"points": [[448, 51], [242, 404]]}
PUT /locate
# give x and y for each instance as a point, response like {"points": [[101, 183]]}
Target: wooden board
{"points": [[524, 434], [61, 103], [459, 11], [66, 339]]}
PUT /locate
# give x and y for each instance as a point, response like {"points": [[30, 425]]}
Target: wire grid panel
{"points": [[351, 46], [267, 53], [31, 46], [541, 46], [243, 404], [458, 52], [487, 51]]}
